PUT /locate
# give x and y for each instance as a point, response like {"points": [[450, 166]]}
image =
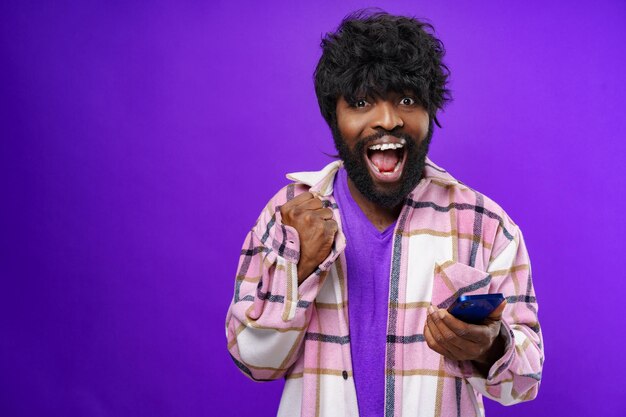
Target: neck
{"points": [[380, 217]]}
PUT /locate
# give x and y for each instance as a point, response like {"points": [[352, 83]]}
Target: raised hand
{"points": [[316, 230]]}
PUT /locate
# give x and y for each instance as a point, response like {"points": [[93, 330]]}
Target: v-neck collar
{"points": [[353, 208]]}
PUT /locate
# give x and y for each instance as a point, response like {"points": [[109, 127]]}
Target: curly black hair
{"points": [[372, 53]]}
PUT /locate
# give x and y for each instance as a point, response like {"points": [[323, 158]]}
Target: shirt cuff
{"points": [[285, 240], [497, 371]]}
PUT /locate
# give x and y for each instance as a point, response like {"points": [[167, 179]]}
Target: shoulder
{"points": [[320, 182], [474, 210]]}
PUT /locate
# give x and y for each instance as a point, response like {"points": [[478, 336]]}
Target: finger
{"points": [[432, 343], [332, 227], [460, 328], [310, 204], [324, 213], [438, 335], [300, 198], [294, 202], [455, 344], [497, 313]]}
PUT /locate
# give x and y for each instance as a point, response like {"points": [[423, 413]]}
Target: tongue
{"points": [[385, 161]]}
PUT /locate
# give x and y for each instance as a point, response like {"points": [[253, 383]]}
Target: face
{"points": [[383, 143]]}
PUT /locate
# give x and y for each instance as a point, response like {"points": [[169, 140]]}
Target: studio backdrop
{"points": [[140, 141]]}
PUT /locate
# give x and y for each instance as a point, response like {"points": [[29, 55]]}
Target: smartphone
{"points": [[474, 309]]}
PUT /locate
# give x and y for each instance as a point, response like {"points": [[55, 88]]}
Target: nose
{"points": [[386, 116]]}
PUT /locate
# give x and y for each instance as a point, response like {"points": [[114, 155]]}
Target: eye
{"points": [[360, 102], [407, 101]]}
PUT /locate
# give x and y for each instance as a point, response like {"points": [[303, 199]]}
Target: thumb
{"points": [[496, 314]]}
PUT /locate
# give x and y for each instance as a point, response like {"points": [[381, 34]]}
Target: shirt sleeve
{"points": [[516, 376], [269, 314]]}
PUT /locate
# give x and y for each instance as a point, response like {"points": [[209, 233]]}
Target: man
{"points": [[344, 281]]}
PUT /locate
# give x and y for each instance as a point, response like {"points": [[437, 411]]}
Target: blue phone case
{"points": [[474, 309]]}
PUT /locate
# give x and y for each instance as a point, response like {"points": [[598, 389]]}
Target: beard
{"points": [[356, 166]]}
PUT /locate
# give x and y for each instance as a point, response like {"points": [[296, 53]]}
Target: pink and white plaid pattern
{"points": [[449, 240]]}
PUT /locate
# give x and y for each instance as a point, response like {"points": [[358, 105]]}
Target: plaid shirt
{"points": [[449, 240]]}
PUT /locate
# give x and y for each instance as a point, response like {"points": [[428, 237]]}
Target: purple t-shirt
{"points": [[368, 257]]}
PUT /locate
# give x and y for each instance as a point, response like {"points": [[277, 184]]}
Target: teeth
{"points": [[385, 146]]}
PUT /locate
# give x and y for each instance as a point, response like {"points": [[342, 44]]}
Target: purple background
{"points": [[140, 142]]}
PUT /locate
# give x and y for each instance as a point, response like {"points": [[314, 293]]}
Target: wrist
{"points": [[484, 362], [305, 269]]}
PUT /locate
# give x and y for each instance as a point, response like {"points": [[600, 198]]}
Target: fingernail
{"points": [[431, 309], [442, 313]]}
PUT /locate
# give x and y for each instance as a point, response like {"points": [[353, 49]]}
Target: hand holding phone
{"points": [[474, 309], [458, 339]]}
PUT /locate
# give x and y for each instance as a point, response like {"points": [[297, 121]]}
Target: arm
{"points": [[503, 357], [269, 314], [516, 375]]}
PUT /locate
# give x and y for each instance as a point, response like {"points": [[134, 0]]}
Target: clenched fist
{"points": [[316, 229]]}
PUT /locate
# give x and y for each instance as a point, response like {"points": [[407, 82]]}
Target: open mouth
{"points": [[385, 158]]}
